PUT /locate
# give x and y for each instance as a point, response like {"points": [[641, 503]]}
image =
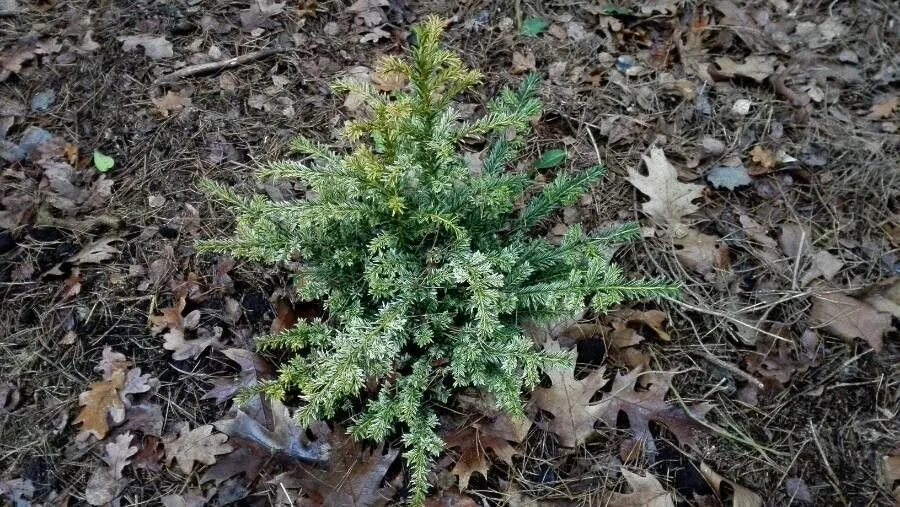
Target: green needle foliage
{"points": [[426, 268]]}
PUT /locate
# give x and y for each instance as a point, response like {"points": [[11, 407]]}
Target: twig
{"points": [[833, 476], [731, 368], [203, 68], [724, 316]]}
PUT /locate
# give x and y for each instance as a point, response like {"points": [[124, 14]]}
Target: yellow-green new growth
{"points": [[426, 269]]}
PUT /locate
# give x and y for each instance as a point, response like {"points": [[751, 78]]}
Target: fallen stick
{"points": [[203, 68]]}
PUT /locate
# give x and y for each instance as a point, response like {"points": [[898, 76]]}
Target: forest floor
{"points": [[756, 142]]}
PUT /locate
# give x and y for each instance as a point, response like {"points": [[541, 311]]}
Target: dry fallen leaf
{"points": [[884, 107], [253, 368], [93, 253], [197, 445], [183, 349], [353, 478], [741, 496], [849, 318], [473, 445], [670, 200], [108, 398], [763, 160], [701, 253], [522, 62], [154, 47], [286, 437], [102, 400], [107, 482], [568, 400], [646, 491], [823, 264], [757, 68]]}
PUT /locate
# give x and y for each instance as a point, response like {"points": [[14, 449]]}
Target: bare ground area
{"points": [[756, 143]]}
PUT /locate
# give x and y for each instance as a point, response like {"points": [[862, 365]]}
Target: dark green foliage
{"points": [[426, 269]]}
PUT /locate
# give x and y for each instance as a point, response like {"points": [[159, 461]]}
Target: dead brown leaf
{"points": [[182, 348], [183, 501], [259, 14], [473, 445], [670, 200], [849, 318], [763, 161], [522, 62], [568, 400], [701, 252], [757, 68], [646, 491], [99, 402], [12, 60], [253, 368], [199, 445], [353, 478], [741, 496], [107, 482], [286, 436], [93, 253], [884, 107], [154, 47]]}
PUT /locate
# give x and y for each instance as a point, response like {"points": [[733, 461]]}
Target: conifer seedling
{"points": [[426, 269]]}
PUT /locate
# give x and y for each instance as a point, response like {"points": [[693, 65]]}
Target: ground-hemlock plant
{"points": [[426, 268]]}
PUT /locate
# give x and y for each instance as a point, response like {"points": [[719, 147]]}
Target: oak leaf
{"points": [[473, 444], [107, 482], [197, 445], [253, 368], [643, 406], [183, 349], [670, 199], [286, 436], [568, 400], [884, 108], [646, 491], [741, 496], [849, 318], [353, 477], [101, 401]]}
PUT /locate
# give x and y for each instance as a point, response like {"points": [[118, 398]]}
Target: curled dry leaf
{"points": [[884, 107], [473, 445], [626, 324], [670, 199], [197, 445], [286, 436], [741, 496], [763, 160], [849, 318], [646, 491], [107, 482]]}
